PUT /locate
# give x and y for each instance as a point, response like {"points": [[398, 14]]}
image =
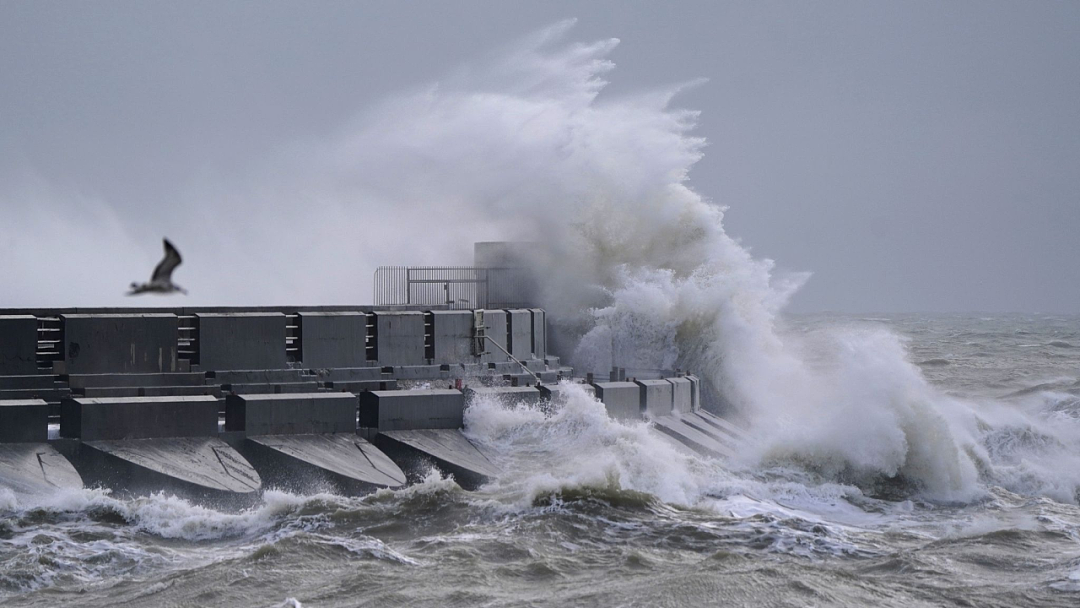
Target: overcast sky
{"points": [[912, 156]]}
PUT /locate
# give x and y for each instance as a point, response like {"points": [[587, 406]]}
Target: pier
{"points": [[223, 402]]}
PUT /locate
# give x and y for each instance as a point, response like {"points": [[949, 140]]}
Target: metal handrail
{"points": [[514, 359]]}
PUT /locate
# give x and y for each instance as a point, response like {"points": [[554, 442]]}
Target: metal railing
{"points": [[451, 287]]}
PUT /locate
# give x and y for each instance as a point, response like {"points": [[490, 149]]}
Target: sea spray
{"points": [[636, 268]]}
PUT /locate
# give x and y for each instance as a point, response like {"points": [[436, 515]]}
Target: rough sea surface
{"points": [[591, 512]]}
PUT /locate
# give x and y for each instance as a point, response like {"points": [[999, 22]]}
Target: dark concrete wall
{"points": [[539, 329], [18, 345], [682, 395], [305, 413], [333, 339], [96, 419], [656, 397], [400, 337], [453, 334], [494, 328], [519, 330], [24, 421], [695, 391], [407, 410], [140, 343], [249, 340]]}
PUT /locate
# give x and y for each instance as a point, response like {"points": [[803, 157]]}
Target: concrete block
{"points": [[413, 409], [333, 339], [504, 367], [495, 330], [399, 337], [453, 335], [241, 341], [506, 395], [24, 421], [120, 343], [695, 392], [18, 345], [682, 395], [519, 333], [656, 397], [109, 418], [520, 379], [557, 393], [622, 399], [296, 414], [539, 333]]}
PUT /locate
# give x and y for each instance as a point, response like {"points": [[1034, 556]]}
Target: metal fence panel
{"points": [[450, 287]]}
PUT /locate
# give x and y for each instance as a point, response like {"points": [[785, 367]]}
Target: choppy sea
{"points": [[591, 512]]}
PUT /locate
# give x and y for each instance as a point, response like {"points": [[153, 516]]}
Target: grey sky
{"points": [[913, 156]]}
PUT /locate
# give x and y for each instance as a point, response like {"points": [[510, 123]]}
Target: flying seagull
{"points": [[161, 281]]}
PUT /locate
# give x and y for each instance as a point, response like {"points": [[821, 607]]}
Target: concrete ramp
{"points": [[36, 468], [203, 463], [447, 447], [691, 437], [343, 454]]}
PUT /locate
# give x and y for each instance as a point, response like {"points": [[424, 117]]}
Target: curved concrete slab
{"points": [[447, 446], [207, 463], [718, 435], [718, 422], [692, 437], [34, 468], [343, 454]]}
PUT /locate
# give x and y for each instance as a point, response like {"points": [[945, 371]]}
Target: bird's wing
{"points": [[167, 264]]}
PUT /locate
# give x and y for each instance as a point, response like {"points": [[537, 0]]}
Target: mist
{"points": [[912, 158]]}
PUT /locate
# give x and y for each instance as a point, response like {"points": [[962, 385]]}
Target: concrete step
{"points": [[150, 391], [417, 372], [12, 383], [348, 374], [53, 395], [257, 376], [359, 386], [135, 380], [265, 388]]}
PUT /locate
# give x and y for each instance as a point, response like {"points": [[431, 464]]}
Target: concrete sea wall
{"points": [[217, 403]]}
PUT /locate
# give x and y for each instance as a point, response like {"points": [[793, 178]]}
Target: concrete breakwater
{"points": [[219, 403]]}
